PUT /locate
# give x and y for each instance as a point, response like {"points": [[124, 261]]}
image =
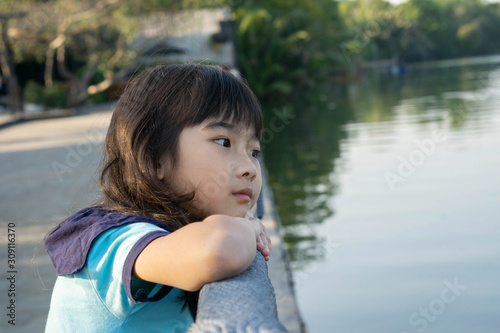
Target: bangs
{"points": [[227, 98]]}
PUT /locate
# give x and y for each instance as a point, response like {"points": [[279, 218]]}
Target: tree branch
{"points": [[7, 67], [109, 75], [58, 42], [49, 58], [120, 49], [89, 13], [4, 54], [61, 64]]}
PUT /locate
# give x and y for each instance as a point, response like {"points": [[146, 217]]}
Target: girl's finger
{"points": [[265, 236], [265, 246], [263, 240], [259, 242]]}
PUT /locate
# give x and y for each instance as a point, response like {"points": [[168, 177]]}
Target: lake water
{"points": [[389, 193]]}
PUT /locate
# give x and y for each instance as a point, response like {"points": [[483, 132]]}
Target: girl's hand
{"points": [[263, 240]]}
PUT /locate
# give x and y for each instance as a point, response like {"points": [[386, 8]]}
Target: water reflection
{"points": [[300, 160]]}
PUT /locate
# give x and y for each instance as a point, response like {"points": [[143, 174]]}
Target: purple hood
{"points": [[68, 245]]}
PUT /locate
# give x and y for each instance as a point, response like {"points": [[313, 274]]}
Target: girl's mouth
{"points": [[244, 195]]}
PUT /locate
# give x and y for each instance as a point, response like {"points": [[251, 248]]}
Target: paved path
{"points": [[47, 172]]}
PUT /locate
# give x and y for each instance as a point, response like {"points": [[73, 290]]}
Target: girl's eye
{"points": [[223, 142], [255, 153]]}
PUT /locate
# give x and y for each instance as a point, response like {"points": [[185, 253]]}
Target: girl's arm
{"points": [[201, 252]]}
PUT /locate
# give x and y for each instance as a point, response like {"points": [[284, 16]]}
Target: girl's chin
{"points": [[204, 215]]}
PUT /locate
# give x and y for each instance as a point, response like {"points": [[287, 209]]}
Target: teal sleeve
{"points": [[106, 262]]}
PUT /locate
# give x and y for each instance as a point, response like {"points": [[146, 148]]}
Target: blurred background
{"points": [[381, 140]]}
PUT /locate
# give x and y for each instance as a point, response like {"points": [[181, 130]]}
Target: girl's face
{"points": [[218, 160]]}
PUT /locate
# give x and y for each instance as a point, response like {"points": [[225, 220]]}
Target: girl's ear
{"points": [[162, 168]]}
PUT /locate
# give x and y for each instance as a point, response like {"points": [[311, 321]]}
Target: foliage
{"points": [[52, 97], [284, 46], [76, 39], [420, 30], [281, 44]]}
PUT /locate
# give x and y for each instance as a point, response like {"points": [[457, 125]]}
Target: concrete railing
{"points": [[242, 304]]}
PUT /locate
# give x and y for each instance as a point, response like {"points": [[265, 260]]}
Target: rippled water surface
{"points": [[389, 191]]}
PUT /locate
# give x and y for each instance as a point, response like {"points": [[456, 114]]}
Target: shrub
{"points": [[49, 97]]}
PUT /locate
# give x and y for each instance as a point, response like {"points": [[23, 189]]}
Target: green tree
{"points": [[82, 42], [419, 30], [369, 25], [284, 46], [9, 14]]}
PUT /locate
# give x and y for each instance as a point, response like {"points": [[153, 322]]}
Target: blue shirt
{"points": [[104, 297]]}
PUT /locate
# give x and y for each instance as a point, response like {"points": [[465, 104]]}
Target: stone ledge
{"points": [[280, 272]]}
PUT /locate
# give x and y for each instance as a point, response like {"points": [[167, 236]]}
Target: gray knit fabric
{"points": [[242, 304]]}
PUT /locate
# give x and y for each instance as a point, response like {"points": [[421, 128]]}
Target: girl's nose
{"points": [[246, 168]]}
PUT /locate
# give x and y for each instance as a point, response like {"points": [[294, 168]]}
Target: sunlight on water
{"points": [[410, 238]]}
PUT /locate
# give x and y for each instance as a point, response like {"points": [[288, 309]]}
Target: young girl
{"points": [[180, 178]]}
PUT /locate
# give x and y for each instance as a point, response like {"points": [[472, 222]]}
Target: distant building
{"points": [[197, 35]]}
